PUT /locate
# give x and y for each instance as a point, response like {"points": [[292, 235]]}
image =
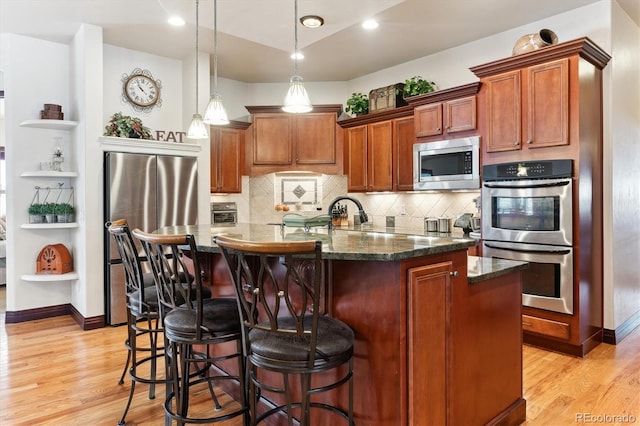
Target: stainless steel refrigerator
{"points": [[150, 191]]}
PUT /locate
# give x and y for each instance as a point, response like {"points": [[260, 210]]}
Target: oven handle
{"points": [[528, 184], [522, 249]]}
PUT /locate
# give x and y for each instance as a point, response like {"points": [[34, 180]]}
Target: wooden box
{"points": [[54, 259], [386, 98]]}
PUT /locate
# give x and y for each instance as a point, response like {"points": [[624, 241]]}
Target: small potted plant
{"points": [[124, 126], [64, 212], [417, 85], [49, 210], [36, 213], [358, 104]]}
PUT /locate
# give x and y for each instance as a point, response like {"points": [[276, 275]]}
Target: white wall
{"points": [[622, 156]]}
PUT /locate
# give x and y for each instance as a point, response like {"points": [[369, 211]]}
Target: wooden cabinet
{"points": [[369, 150], [528, 108], [443, 118], [227, 157], [403, 139], [285, 142], [547, 104]]}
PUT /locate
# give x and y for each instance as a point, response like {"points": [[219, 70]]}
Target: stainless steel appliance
{"points": [[448, 164], [527, 216], [150, 191], [224, 213]]}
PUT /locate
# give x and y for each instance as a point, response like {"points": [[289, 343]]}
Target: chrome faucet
{"points": [[363, 216]]}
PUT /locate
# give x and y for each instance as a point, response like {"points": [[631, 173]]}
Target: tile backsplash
{"points": [[308, 193]]}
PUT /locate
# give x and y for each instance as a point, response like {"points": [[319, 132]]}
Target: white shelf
{"points": [[49, 174], [50, 124], [49, 225], [51, 277]]}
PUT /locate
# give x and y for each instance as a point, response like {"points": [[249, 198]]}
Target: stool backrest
{"points": [[134, 275], [278, 285], [175, 266]]}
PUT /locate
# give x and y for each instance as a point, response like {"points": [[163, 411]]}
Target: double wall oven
{"points": [[527, 216]]}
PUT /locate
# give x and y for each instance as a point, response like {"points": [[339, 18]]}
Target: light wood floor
{"points": [[53, 373]]}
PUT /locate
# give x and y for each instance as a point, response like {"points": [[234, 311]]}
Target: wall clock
{"points": [[141, 90]]}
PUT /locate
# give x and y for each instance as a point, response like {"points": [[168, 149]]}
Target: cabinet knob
{"points": [[438, 129], [529, 141], [454, 274], [516, 143]]}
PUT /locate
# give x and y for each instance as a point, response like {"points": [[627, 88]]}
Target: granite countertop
{"points": [[484, 268], [354, 243]]}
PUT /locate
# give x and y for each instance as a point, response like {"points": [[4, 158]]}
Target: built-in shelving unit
{"points": [[50, 277], [49, 174]]}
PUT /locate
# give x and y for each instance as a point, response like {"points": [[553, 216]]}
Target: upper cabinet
{"points": [[280, 141], [528, 108], [542, 104], [443, 118], [227, 157], [447, 113]]}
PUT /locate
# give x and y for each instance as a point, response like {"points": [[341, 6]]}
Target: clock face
{"points": [[141, 90]]}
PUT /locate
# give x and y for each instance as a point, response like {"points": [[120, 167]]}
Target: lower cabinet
{"points": [[227, 157]]}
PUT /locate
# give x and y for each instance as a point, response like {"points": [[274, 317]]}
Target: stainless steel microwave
{"points": [[448, 164]]}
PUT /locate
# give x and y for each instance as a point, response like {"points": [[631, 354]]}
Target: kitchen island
{"points": [[438, 333]]}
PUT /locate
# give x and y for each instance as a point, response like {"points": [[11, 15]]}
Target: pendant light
{"points": [[197, 129], [215, 113], [296, 100]]}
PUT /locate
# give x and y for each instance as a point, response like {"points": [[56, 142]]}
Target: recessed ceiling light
{"points": [[297, 56], [370, 24], [176, 21], [312, 21]]}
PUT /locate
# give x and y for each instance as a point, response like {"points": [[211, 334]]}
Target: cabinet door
{"points": [[504, 112], [226, 160], [315, 138], [428, 120], [404, 137], [356, 161], [272, 139], [380, 156], [548, 106], [461, 115], [429, 295]]}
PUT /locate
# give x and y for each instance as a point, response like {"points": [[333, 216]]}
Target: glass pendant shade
{"points": [[215, 113], [297, 100], [197, 128]]}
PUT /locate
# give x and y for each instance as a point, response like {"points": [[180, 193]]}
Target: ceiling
{"points": [[256, 37]]}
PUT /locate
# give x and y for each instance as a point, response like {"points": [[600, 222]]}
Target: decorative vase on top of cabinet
{"points": [[50, 175]]}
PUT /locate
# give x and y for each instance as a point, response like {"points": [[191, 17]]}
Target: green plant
{"points": [[123, 126], [49, 208], [417, 85], [36, 209], [358, 104], [64, 208]]}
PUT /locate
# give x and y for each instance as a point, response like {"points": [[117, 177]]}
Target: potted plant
{"points": [[36, 213], [417, 85], [358, 104], [64, 212], [124, 126], [49, 210]]}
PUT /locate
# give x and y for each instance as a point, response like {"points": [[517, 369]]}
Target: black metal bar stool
{"points": [[143, 319], [278, 287], [193, 321]]}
